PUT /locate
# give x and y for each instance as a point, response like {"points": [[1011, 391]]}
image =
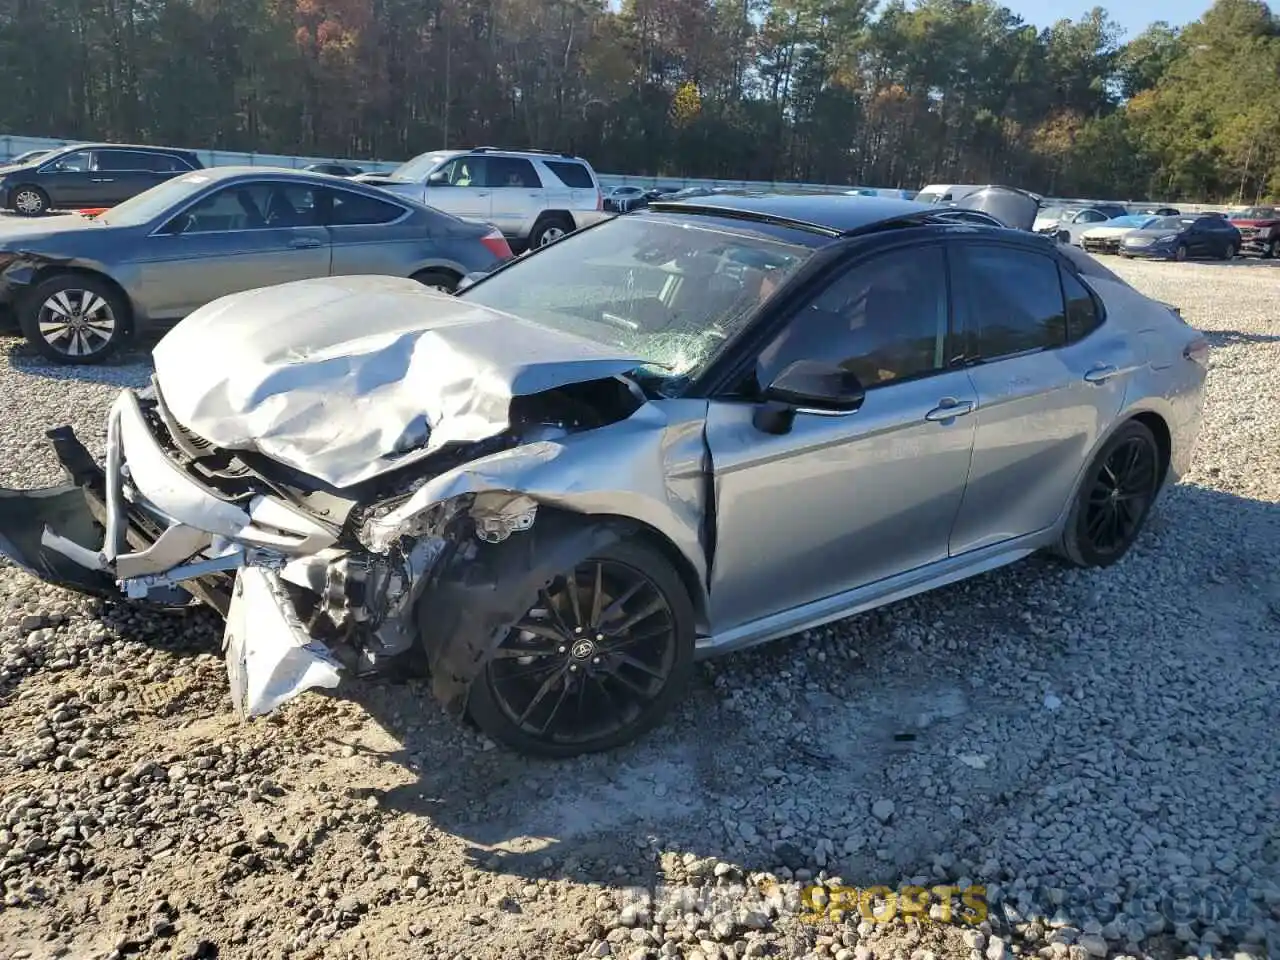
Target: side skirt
{"points": [[862, 599]]}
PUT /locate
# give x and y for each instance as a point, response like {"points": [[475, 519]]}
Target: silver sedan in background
{"points": [[81, 287]]}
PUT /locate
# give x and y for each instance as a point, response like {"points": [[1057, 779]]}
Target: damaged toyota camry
{"points": [[674, 434]]}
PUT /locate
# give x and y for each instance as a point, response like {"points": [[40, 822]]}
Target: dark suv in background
{"points": [[89, 175]]}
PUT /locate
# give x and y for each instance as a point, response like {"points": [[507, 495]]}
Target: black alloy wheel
{"points": [[597, 660], [1117, 494]]}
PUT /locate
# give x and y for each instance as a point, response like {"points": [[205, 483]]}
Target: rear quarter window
{"points": [[571, 174]]}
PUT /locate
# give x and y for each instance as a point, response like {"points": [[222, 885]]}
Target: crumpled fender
{"points": [[480, 593]]}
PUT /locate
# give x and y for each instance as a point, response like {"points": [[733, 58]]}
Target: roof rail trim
{"points": [[728, 213]]}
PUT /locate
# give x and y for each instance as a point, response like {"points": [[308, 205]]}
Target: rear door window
{"points": [[355, 209], [511, 172], [123, 160], [1012, 300]]}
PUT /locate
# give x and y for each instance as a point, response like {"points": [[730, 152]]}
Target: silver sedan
{"points": [[678, 433], [83, 286]]}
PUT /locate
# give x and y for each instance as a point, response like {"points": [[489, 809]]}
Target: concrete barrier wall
{"points": [[11, 146]]}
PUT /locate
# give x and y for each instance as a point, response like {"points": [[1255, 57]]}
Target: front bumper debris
{"points": [[145, 529], [270, 656]]}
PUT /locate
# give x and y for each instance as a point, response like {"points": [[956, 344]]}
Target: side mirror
{"points": [[807, 383], [439, 179]]}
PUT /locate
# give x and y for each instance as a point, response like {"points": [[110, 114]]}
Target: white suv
{"points": [[532, 196]]}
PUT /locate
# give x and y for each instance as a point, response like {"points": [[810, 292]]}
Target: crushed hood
{"points": [[345, 378]]}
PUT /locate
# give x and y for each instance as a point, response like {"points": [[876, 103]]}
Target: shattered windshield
{"points": [[665, 288]]}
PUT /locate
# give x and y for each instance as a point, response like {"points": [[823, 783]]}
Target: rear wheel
{"points": [[1114, 498], [443, 280], [549, 230], [601, 655], [29, 201], [1180, 252], [1233, 249], [1269, 250], [75, 318]]}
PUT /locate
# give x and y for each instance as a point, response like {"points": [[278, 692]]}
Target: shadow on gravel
{"points": [[889, 720], [119, 370], [1231, 338]]}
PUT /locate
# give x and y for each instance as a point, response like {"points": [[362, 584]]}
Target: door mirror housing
{"points": [[816, 384], [470, 280], [438, 179]]}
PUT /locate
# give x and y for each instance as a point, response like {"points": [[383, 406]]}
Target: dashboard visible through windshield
{"points": [[664, 287]]}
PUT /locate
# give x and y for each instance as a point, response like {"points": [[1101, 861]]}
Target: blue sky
{"points": [[1133, 15]]}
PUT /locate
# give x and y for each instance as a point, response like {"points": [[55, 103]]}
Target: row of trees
{"points": [[809, 90]]}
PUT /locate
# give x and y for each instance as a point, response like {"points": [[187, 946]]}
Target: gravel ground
{"points": [[1099, 750]]}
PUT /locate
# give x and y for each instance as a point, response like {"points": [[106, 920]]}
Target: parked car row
{"points": [[673, 434], [81, 287]]}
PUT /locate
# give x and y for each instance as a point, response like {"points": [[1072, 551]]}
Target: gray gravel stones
{"points": [[1097, 748]]}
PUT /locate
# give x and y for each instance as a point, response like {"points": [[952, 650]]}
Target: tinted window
{"points": [[351, 209], [512, 172], [77, 162], [165, 163], [1082, 311], [571, 174], [255, 206], [884, 320], [124, 160], [1013, 301]]}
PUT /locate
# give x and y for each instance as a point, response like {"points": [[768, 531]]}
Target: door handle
{"points": [[1101, 373], [950, 408], [306, 243]]}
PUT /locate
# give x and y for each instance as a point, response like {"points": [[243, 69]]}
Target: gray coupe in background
{"points": [[81, 287]]}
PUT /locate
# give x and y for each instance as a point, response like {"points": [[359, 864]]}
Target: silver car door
{"points": [[517, 194], [1049, 379], [844, 500], [237, 238]]}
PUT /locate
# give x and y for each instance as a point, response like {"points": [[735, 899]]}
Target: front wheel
{"points": [[1180, 252], [1269, 250], [1231, 252], [29, 201], [601, 655], [1114, 499], [75, 318]]}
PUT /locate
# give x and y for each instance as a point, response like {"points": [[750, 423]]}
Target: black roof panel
{"points": [[839, 213]]}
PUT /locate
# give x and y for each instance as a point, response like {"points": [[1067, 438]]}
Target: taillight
{"points": [[497, 244], [1197, 351]]}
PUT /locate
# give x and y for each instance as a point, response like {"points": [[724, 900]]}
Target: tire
{"points": [[1082, 544], [1180, 253], [98, 320], [1231, 252], [549, 230], [1269, 250], [602, 680], [445, 280], [28, 201]]}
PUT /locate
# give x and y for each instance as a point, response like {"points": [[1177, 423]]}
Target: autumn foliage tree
{"points": [[841, 91]]}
